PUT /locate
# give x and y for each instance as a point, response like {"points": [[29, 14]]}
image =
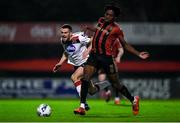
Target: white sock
{"points": [[116, 98], [82, 105]]}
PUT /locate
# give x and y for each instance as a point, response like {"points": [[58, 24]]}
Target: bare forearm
{"points": [[131, 49], [128, 47], [63, 58]]}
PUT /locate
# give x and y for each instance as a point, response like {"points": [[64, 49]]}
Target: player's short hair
{"points": [[67, 26], [115, 9]]}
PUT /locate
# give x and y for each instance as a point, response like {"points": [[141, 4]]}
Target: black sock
{"points": [[126, 93], [84, 90], [117, 93], [106, 89]]}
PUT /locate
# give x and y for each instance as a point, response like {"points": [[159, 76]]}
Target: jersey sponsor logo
{"points": [[71, 48]]}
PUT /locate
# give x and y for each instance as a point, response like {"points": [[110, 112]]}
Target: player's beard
{"points": [[65, 39]]}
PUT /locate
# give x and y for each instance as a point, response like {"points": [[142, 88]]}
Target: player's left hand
{"points": [[144, 55]]}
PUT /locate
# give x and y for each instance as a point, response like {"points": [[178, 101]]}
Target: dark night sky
{"points": [[88, 10]]}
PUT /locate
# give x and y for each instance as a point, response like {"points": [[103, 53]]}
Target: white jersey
{"points": [[75, 48]]}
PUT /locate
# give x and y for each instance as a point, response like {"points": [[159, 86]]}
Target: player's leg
{"points": [[88, 73], [114, 79], [101, 78], [112, 74], [76, 78], [111, 71], [116, 98], [95, 87], [107, 94]]}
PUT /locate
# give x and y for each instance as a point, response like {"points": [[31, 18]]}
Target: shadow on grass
{"points": [[124, 105], [108, 116]]}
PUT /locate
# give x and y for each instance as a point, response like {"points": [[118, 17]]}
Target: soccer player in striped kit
{"points": [[106, 32]]}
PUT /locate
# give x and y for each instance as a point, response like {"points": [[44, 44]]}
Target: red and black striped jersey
{"points": [[105, 35]]}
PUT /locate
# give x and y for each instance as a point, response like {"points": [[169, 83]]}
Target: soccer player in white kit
{"points": [[76, 51]]}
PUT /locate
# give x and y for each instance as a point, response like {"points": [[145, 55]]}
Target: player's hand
{"points": [[74, 38], [56, 67], [144, 55]]}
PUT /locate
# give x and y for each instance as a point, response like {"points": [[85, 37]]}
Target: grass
{"points": [[62, 111]]}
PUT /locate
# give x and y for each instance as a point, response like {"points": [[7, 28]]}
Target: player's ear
{"points": [[71, 33]]}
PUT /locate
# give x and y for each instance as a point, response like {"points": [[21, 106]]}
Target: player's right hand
{"points": [[56, 67], [144, 55]]}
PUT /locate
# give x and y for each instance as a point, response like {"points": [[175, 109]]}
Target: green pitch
{"points": [[62, 111]]}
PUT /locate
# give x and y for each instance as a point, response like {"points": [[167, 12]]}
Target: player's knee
{"points": [[73, 78]]}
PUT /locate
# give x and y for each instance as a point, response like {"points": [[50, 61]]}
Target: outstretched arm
{"points": [[58, 65], [131, 49]]}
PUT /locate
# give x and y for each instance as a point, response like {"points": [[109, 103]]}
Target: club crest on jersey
{"points": [[71, 48]]}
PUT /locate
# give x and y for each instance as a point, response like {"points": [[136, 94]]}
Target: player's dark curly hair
{"points": [[115, 9]]}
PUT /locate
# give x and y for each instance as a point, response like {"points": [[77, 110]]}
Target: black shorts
{"points": [[102, 62], [76, 67]]}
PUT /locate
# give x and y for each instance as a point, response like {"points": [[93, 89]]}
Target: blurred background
{"points": [[29, 48]]}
